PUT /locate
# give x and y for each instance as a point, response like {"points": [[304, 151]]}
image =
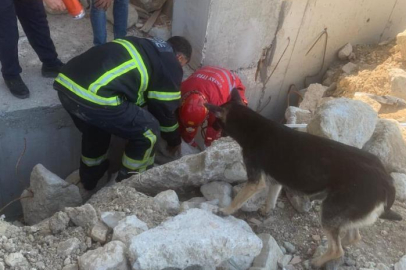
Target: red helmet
{"points": [[192, 111]]}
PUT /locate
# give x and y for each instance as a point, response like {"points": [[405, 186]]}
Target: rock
{"points": [[71, 267], [344, 120], [198, 199], [381, 266], [349, 68], [111, 219], [58, 222], [388, 100], [236, 263], [16, 260], [128, 228], [388, 145], [301, 203], [194, 170], [401, 265], [50, 195], [283, 261], [169, 201], [398, 82], [218, 190], [149, 5], [132, 15], [401, 44], [68, 247], [99, 232], [345, 51], [84, 216], [109, 257], [399, 180], [195, 237], [270, 253], [160, 31], [1, 266], [289, 247], [313, 98], [366, 98], [295, 115]]}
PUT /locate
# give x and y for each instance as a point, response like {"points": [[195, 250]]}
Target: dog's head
{"points": [[221, 112]]}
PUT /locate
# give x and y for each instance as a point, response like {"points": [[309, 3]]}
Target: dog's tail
{"points": [[390, 193]]}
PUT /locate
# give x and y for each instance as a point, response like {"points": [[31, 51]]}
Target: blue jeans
{"points": [[98, 19]]}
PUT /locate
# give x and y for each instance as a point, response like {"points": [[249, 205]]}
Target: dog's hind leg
{"points": [[334, 250], [270, 202], [351, 237], [250, 188]]}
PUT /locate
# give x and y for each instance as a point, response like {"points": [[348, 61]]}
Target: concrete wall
{"points": [[51, 139], [239, 33]]}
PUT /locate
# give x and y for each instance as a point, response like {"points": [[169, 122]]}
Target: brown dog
{"points": [[354, 185]]}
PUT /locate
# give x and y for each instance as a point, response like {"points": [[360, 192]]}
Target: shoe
{"points": [[51, 71], [17, 87], [90, 176]]}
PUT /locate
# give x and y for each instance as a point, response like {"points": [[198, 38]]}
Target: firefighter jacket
{"points": [[137, 70]]}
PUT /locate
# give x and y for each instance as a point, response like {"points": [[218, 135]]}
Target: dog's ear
{"points": [[235, 97], [219, 112]]}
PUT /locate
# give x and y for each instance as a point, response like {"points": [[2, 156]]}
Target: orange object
{"points": [[74, 8]]}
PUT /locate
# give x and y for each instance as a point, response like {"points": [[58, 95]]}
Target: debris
{"points": [[132, 15], [128, 228], [289, 247], [71, 267], [388, 145], [58, 222], [169, 201], [50, 195], [349, 68], [109, 257], [366, 98], [84, 216], [347, 121], [68, 247], [381, 266], [111, 219], [401, 43], [99, 232], [313, 97], [16, 260], [270, 253], [345, 52], [398, 82], [401, 265], [283, 261], [195, 237], [399, 180], [295, 115], [236, 263], [301, 203], [218, 190]]}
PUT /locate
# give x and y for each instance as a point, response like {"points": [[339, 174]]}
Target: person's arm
{"points": [[56, 5]]}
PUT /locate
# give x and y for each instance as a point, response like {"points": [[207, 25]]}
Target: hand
{"points": [[56, 5], [173, 150], [103, 4]]}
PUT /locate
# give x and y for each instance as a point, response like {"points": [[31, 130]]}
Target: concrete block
{"points": [[345, 51]]}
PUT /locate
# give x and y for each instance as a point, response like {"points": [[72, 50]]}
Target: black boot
{"points": [[51, 71], [90, 176], [17, 87]]}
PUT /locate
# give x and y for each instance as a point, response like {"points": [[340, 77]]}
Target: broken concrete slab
{"points": [[270, 253], [218, 190], [388, 145], [398, 82], [47, 195], [111, 219], [295, 115], [58, 222], [193, 170], [399, 180], [128, 228], [344, 120], [195, 237], [109, 257], [16, 260], [169, 201], [68, 247], [349, 68], [401, 43], [313, 98], [84, 216], [99, 232], [345, 52]]}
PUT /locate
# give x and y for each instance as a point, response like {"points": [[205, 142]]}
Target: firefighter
{"points": [[105, 89], [207, 85]]}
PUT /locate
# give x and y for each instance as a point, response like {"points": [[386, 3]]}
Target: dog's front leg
{"points": [[256, 182], [270, 202]]}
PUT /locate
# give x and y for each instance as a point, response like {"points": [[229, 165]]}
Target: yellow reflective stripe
{"points": [[169, 129], [111, 75], [166, 96], [85, 94], [141, 165], [93, 161], [141, 67]]}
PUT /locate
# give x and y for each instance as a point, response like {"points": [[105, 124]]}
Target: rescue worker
{"points": [[207, 85], [105, 89]]}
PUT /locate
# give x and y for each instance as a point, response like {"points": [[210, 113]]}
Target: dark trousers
{"points": [[32, 16], [126, 121]]}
